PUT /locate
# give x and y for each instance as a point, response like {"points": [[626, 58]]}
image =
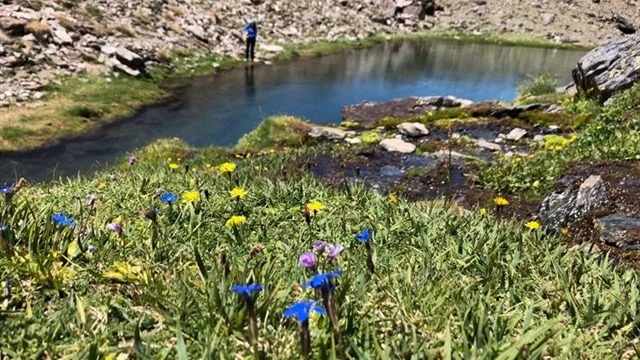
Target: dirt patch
{"points": [[368, 114]]}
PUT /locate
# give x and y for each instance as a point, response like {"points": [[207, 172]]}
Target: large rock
{"points": [[624, 25], [61, 37], [620, 231], [130, 59], [484, 144], [413, 129], [397, 145], [610, 68], [327, 132], [516, 134], [561, 208]]}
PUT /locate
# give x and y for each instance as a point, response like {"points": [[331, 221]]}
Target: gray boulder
{"points": [[413, 129], [620, 231], [130, 59], [608, 69], [397, 145], [327, 132], [559, 209]]}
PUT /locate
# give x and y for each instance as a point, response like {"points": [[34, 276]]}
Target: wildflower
{"points": [[238, 193], [91, 249], [173, 166], [169, 198], [115, 227], [192, 182], [102, 186], [393, 199], [246, 290], [536, 184], [320, 246], [483, 211], [63, 220], [227, 167], [532, 225], [91, 199], [315, 206], [208, 166], [334, 251], [132, 159], [364, 236], [308, 260], [236, 220], [321, 280], [6, 189], [565, 231], [500, 201], [302, 309], [191, 196]]}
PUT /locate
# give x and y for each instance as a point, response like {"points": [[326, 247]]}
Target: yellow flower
{"points": [[208, 166], [238, 193], [173, 166], [565, 231], [102, 186], [191, 196], [533, 225], [393, 199], [227, 167], [500, 201], [483, 211], [315, 206], [192, 182], [236, 220], [536, 184], [169, 159]]}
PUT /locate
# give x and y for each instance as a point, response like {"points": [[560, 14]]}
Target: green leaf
{"points": [[201, 267], [180, 346]]}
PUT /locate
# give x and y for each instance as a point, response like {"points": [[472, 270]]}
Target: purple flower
{"points": [[334, 251], [308, 260], [115, 227], [91, 199], [132, 159], [91, 249], [320, 246]]}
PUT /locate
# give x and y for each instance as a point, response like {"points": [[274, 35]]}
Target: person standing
{"points": [[251, 31]]}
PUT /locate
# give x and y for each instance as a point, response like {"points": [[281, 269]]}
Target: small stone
{"points": [[327, 132], [397, 145], [484, 144], [413, 129], [538, 138], [353, 141], [516, 134], [498, 140]]}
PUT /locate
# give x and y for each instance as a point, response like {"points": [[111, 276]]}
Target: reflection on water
{"points": [[218, 110]]}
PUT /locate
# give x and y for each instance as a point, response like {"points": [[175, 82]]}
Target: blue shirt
{"points": [[252, 31]]}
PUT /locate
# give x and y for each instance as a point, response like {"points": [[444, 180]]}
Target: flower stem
{"points": [[305, 339], [370, 265], [329, 304], [253, 325]]}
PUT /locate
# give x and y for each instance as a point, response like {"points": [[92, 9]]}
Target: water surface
{"points": [[218, 110]]}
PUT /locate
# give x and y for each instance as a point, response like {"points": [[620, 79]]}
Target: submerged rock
{"points": [[397, 145], [413, 129], [559, 209], [620, 231], [610, 68]]}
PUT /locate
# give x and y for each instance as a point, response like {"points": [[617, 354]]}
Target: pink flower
{"points": [[334, 251], [115, 227], [308, 260]]}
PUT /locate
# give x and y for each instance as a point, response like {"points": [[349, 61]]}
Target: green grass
{"points": [[276, 131], [537, 85], [448, 284]]}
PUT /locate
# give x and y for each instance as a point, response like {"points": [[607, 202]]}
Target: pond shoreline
{"points": [[96, 112]]}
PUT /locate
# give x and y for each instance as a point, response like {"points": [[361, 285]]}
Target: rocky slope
{"points": [[43, 39]]}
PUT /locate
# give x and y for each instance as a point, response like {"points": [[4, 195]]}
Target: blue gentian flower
{"points": [[320, 280], [169, 198], [4, 228], [6, 189], [364, 236], [63, 220], [302, 309], [246, 290]]}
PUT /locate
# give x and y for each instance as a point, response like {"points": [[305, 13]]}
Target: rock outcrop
{"points": [[610, 68]]}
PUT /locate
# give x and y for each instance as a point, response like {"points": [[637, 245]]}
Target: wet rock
{"points": [[327, 132], [484, 144], [397, 145], [608, 69], [516, 134], [620, 231], [413, 129], [560, 208]]}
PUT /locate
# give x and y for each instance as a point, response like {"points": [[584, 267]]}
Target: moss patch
{"points": [[276, 131]]}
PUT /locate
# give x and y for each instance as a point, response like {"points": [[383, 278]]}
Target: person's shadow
{"points": [[249, 83]]}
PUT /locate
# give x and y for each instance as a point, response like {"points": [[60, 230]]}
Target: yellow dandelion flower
{"points": [[238, 193], [191, 196], [483, 211], [536, 184], [194, 170], [500, 201], [235, 221], [169, 159], [102, 186], [208, 166], [532, 225], [173, 166], [565, 231], [227, 167], [393, 199], [315, 206]]}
